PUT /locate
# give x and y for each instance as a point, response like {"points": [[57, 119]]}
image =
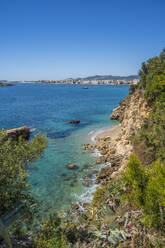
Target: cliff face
{"points": [[115, 145], [131, 113]]}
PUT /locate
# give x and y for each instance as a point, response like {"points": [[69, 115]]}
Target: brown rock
{"points": [[71, 166], [84, 147]]}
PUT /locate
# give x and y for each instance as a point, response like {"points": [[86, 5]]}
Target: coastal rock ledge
{"points": [[15, 133]]}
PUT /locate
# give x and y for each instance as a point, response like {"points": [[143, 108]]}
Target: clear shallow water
{"points": [[46, 108]]}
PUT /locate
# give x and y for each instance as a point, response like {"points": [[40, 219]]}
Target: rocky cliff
{"points": [[115, 145]]}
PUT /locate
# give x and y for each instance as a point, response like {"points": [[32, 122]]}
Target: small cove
{"points": [[46, 108]]}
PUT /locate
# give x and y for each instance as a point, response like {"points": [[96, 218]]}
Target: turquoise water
{"points": [[46, 108]]}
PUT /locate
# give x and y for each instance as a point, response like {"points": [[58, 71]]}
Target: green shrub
{"points": [[135, 178], [152, 78], [14, 186], [50, 234], [145, 188]]}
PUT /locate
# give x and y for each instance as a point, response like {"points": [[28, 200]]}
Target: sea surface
{"points": [[46, 108]]}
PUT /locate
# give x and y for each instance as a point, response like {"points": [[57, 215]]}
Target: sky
{"points": [[58, 39]]}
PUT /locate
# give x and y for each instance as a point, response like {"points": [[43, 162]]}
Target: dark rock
{"points": [[63, 175], [73, 122]]}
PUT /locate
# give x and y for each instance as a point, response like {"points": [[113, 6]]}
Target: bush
{"points": [[50, 234], [14, 157], [152, 78], [145, 188], [135, 179]]}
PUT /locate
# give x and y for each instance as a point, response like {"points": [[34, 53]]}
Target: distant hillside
{"points": [[108, 77]]}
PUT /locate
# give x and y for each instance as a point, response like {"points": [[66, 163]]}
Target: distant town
{"points": [[130, 80]]}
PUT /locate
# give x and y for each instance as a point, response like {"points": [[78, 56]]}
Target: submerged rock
{"points": [[72, 166], [86, 166], [73, 122], [63, 175]]}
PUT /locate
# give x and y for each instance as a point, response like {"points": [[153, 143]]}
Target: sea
{"points": [[46, 108]]}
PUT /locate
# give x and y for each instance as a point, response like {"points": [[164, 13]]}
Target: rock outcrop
{"points": [[15, 133]]}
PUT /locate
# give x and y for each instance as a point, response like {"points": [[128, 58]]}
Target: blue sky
{"points": [[57, 39]]}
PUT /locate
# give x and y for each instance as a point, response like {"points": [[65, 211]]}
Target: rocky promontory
{"points": [[5, 84], [15, 133]]}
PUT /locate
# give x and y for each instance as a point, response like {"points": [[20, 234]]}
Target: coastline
{"points": [[114, 146], [94, 137]]}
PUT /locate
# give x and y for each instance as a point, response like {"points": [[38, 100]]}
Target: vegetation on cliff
{"points": [[14, 186], [150, 142]]}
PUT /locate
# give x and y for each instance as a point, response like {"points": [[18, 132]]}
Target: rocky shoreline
{"points": [[115, 145]]}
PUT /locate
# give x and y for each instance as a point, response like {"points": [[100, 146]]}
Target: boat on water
{"points": [[85, 87]]}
